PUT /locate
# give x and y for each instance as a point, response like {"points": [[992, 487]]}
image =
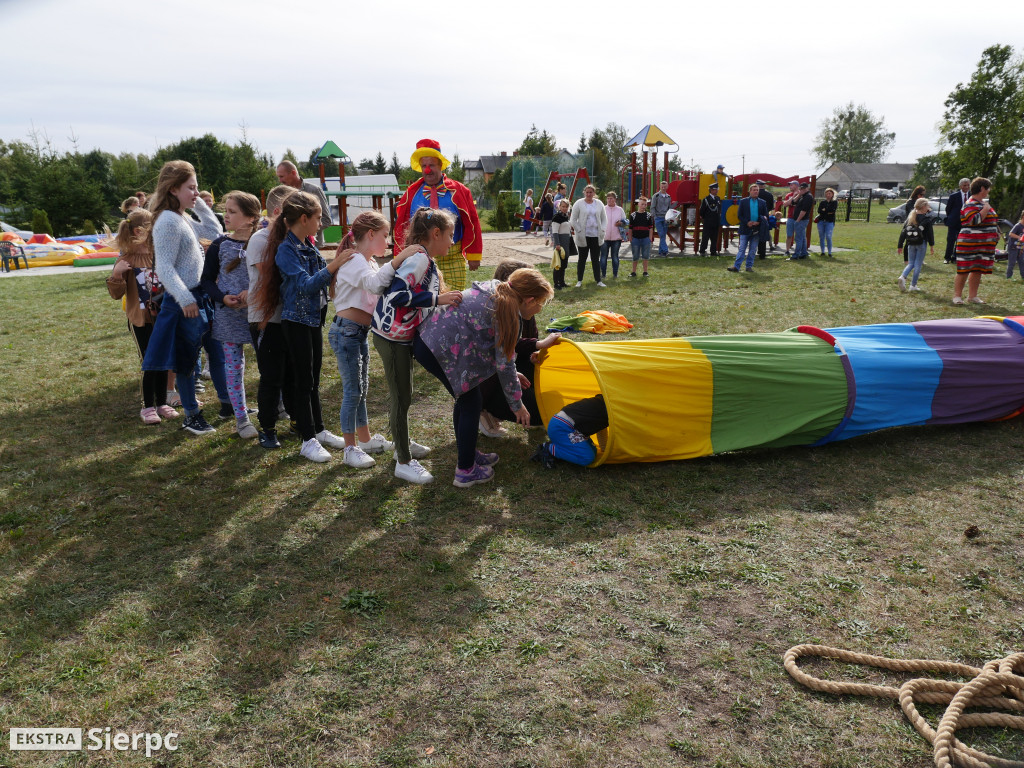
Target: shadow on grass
{"points": [[265, 554]]}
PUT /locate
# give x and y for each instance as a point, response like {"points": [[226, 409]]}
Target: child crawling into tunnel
{"points": [[569, 433]]}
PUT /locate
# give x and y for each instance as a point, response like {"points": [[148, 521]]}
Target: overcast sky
{"points": [[724, 79]]}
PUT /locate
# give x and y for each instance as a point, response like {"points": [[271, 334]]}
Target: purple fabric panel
{"points": [[982, 369]]}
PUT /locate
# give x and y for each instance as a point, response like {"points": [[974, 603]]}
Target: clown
{"points": [[435, 190]]}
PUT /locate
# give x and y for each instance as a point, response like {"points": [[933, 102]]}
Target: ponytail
{"points": [[522, 284], [132, 249], [268, 294]]}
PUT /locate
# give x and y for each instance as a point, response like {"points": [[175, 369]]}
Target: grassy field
{"points": [[279, 613]]}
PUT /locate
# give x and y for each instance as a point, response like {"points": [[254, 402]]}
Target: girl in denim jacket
{"points": [[298, 277]]}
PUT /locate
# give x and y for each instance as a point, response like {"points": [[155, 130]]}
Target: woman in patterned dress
{"points": [[976, 243]]}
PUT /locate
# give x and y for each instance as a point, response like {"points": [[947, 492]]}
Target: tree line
{"points": [[981, 134]]}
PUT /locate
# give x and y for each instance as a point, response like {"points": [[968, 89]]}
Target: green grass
{"points": [[280, 613]]}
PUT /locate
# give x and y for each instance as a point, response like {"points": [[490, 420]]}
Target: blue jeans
{"points": [[825, 236], [613, 247], [659, 225], [348, 340], [800, 241], [641, 247], [915, 260], [748, 245], [174, 345], [215, 358]]}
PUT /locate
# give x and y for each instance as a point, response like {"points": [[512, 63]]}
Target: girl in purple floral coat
{"points": [[465, 344]]}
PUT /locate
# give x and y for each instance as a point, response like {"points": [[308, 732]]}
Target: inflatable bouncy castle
{"points": [[681, 398]]}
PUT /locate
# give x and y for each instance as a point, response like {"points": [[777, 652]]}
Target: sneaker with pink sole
{"points": [[149, 416], [166, 412]]}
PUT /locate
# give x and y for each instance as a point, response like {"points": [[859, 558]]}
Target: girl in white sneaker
{"points": [[415, 291], [298, 276], [354, 292]]}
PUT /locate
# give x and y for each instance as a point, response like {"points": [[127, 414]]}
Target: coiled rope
{"points": [[999, 685]]}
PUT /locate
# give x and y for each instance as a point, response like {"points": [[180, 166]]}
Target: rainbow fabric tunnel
{"points": [[682, 398]]}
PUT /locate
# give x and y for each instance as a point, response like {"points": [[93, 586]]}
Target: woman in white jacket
{"points": [[588, 221]]}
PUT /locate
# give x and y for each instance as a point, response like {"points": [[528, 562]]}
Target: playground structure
{"points": [[682, 398], [688, 195]]}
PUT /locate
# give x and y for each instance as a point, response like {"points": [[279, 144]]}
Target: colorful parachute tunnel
{"points": [[672, 399]]}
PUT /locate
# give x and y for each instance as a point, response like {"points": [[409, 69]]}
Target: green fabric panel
{"points": [[773, 389]]}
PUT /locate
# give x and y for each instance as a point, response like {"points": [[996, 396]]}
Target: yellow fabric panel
{"points": [[659, 395]]}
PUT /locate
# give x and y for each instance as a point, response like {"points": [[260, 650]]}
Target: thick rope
{"points": [[998, 685]]}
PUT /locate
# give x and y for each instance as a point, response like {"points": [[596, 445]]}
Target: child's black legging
{"points": [[306, 349], [593, 249], [465, 412], [275, 376], [154, 383]]}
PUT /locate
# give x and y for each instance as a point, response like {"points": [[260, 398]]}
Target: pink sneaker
{"points": [[166, 412], [148, 416]]}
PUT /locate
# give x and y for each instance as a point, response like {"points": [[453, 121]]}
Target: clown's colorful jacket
{"points": [[472, 240]]}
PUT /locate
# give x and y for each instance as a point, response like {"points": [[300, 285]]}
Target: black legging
{"points": [[275, 376], [465, 412], [154, 383], [306, 350], [593, 249]]}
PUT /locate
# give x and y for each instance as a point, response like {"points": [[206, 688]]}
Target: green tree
{"points": [[69, 196], [210, 156], [983, 119], [41, 222], [582, 146], [983, 130], [380, 165], [395, 167], [251, 170], [456, 170], [537, 143], [927, 172], [852, 135]]}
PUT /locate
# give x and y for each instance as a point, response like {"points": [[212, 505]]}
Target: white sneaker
{"points": [[413, 472], [418, 451], [357, 457], [312, 450], [579, 284], [246, 430], [330, 439], [486, 429], [901, 281], [913, 288], [601, 285], [377, 444]]}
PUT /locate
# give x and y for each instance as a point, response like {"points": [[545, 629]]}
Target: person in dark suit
{"points": [[954, 205], [769, 202], [710, 221]]}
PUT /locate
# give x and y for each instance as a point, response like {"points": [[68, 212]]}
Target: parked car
{"points": [[888, 194], [24, 234], [899, 215]]}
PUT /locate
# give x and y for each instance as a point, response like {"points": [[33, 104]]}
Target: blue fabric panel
{"points": [[896, 375]]}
